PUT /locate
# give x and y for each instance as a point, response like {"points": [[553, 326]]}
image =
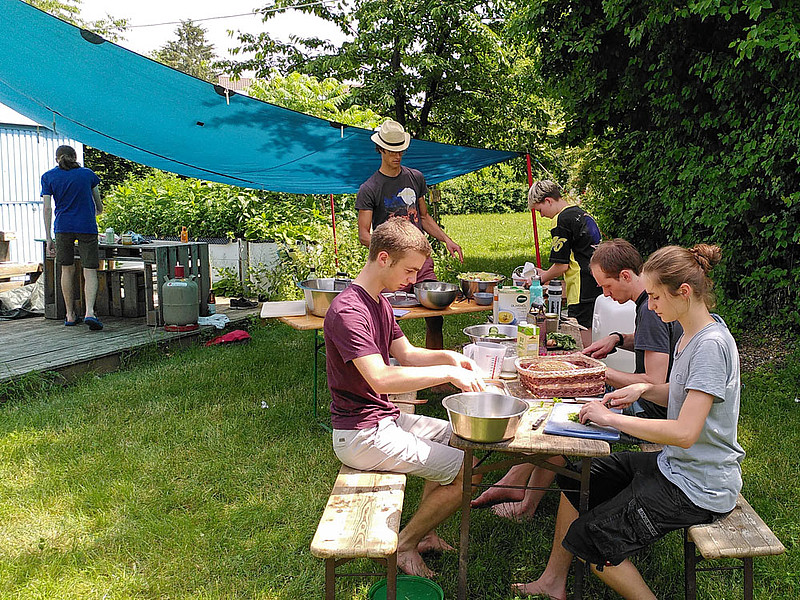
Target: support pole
{"points": [[533, 216], [333, 224]]}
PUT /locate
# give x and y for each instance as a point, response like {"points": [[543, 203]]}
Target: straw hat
{"points": [[391, 136]]}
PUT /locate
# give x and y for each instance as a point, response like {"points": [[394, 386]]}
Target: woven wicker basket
{"points": [[587, 379]]}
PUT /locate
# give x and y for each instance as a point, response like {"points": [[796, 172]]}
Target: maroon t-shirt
{"points": [[355, 326]]}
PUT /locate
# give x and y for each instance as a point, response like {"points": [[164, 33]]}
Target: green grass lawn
{"points": [[171, 479]]}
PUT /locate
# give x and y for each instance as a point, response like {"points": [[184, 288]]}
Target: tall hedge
{"points": [[692, 110]]}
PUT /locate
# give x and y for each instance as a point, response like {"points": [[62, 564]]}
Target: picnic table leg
{"points": [[580, 566], [391, 577], [330, 579], [689, 568], [463, 551], [748, 578]]}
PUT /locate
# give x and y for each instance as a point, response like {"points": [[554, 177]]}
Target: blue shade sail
{"points": [[113, 99]]}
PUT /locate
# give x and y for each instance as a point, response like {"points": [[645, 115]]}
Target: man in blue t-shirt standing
{"points": [[75, 192], [397, 191]]}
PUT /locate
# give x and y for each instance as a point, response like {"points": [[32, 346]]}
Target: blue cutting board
{"points": [[559, 424]]}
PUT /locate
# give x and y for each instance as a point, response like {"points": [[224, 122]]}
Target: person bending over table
{"points": [[574, 238], [638, 497], [616, 266], [369, 432]]}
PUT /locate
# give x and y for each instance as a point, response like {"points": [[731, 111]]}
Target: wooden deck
{"points": [[38, 344]]}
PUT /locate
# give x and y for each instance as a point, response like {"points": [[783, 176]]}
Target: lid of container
{"points": [[179, 271]]}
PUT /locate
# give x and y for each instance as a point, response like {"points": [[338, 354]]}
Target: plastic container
{"points": [[127, 239], [184, 235], [483, 298], [408, 586], [110, 235]]}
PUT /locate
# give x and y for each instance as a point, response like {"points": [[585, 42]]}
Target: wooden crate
{"points": [[126, 293]]}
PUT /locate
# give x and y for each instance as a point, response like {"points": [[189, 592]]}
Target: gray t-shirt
{"points": [[709, 472], [393, 196]]}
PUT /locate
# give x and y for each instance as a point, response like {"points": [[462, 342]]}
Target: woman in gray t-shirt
{"points": [[638, 497]]}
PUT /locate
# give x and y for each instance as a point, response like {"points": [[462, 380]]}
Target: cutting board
{"points": [[559, 424]]}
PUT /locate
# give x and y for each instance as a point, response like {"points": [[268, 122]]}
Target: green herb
{"points": [[563, 341]]}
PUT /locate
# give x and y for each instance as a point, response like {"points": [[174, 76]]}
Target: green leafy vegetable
{"points": [[562, 341]]}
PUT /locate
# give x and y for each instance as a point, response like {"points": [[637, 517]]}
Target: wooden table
{"points": [[159, 258], [528, 446], [309, 322]]}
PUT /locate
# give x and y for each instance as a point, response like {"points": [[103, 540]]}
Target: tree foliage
{"points": [[446, 70], [110, 28], [689, 116], [190, 53], [328, 98]]}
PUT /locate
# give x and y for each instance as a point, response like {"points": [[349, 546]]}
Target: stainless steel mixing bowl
{"points": [[484, 416], [480, 333], [436, 295], [320, 293]]}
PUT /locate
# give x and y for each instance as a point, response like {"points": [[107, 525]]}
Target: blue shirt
{"points": [[72, 195]]}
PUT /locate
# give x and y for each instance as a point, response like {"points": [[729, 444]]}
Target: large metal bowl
{"points": [[436, 295], [480, 333], [484, 416], [320, 293], [470, 286]]}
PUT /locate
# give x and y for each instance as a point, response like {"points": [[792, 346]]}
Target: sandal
{"points": [[77, 321], [94, 323]]}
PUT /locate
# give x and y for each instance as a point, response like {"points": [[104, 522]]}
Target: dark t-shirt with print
{"points": [[652, 334], [355, 326], [574, 239], [390, 197]]}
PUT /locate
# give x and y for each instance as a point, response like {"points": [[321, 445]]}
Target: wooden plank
{"points": [[132, 283], [308, 321], [37, 344], [116, 294], [102, 303], [742, 534], [10, 285], [362, 516], [17, 269]]}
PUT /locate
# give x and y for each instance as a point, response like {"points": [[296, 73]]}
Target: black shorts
{"points": [[88, 249], [583, 313], [631, 505]]}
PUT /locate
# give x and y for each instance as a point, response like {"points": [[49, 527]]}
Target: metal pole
{"points": [[533, 216]]}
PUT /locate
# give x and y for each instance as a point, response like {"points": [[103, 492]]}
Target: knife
{"points": [[539, 421]]}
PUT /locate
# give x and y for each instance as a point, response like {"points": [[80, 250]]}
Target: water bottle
{"points": [[554, 291]]}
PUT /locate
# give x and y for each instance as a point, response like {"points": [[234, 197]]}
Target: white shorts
{"points": [[412, 444]]}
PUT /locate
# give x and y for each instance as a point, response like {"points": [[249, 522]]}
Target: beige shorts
{"points": [[411, 444]]}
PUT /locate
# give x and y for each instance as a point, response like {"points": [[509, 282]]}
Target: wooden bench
{"points": [[741, 535], [361, 520]]}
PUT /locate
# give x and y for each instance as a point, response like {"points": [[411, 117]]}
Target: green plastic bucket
{"points": [[409, 587]]}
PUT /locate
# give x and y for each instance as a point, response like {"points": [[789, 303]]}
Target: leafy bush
{"points": [[689, 114], [162, 203], [495, 189]]}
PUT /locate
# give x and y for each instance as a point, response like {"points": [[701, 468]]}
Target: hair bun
{"points": [[707, 256]]}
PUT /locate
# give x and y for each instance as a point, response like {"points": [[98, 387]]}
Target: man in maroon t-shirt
{"points": [[369, 432], [398, 191]]}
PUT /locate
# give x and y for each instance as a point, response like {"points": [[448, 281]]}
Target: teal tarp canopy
{"points": [[113, 99]]}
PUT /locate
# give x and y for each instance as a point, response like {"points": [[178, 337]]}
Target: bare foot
{"points": [[513, 511], [535, 588], [433, 543], [495, 495], [411, 563]]}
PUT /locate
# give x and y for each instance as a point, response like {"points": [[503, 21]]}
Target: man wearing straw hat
{"points": [[398, 191]]}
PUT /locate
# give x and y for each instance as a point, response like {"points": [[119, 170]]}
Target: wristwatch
{"points": [[621, 338]]}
